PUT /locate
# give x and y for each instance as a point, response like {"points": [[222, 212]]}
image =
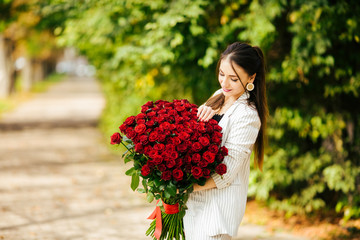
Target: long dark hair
{"points": [[251, 59]]}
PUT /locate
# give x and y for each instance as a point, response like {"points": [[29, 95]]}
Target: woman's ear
{"points": [[252, 78]]}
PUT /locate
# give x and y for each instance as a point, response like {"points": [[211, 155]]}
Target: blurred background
{"points": [[139, 50]]}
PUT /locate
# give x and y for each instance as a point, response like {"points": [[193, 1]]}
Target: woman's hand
{"points": [[205, 113]]}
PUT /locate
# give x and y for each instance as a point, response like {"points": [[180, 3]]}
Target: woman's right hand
{"points": [[205, 113]]}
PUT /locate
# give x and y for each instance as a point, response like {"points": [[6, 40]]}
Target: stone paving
{"points": [[58, 180]]}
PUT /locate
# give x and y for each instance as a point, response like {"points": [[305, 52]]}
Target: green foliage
{"points": [[147, 50], [313, 158]]}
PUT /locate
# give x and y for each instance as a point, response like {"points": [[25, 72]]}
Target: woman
{"points": [[216, 209]]}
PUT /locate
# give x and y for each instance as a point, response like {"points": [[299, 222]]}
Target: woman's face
{"points": [[229, 81]]}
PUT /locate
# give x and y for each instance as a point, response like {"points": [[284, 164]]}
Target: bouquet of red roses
{"points": [[171, 151]]}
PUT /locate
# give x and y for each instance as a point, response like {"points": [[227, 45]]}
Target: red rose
{"points": [[220, 169], [172, 112], [217, 134], [161, 138], [213, 148], [149, 104], [166, 175], [157, 159], [206, 172], [150, 123], [116, 138], [184, 136], [179, 162], [139, 148], [212, 122], [196, 172], [170, 147], [136, 140], [153, 153], [130, 120], [144, 109], [224, 151], [187, 159], [173, 155], [140, 121], [170, 163], [216, 140], [162, 167], [151, 114], [175, 140], [178, 119], [140, 116], [153, 136], [166, 155], [195, 136], [123, 128], [144, 139], [209, 128], [196, 147], [180, 108], [162, 111], [209, 157], [204, 141], [131, 134], [159, 147], [160, 119], [178, 174], [203, 163], [147, 149], [140, 129], [164, 126], [201, 128], [182, 147], [217, 128], [196, 158], [219, 157], [145, 170]]}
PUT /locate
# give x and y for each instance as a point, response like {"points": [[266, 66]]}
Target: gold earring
{"points": [[250, 86]]}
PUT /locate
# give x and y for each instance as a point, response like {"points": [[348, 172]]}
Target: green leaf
{"points": [[144, 183], [171, 189], [167, 194], [124, 153], [157, 182], [128, 158], [162, 187], [135, 179], [130, 172], [150, 197], [141, 190]]}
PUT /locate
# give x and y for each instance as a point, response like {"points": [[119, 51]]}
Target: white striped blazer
{"points": [[221, 209]]}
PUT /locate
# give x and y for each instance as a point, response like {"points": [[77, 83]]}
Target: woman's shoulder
{"points": [[248, 113]]}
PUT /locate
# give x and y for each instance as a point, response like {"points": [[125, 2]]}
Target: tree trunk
{"points": [[38, 71], [27, 75], [6, 67]]}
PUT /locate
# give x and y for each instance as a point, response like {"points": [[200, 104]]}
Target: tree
{"points": [[25, 33]]}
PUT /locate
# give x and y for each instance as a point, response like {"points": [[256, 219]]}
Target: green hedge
{"points": [[146, 50]]}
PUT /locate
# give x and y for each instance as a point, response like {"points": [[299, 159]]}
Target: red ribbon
{"points": [[169, 209]]}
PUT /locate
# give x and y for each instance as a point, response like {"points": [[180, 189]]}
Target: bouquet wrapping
{"points": [[171, 151]]}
